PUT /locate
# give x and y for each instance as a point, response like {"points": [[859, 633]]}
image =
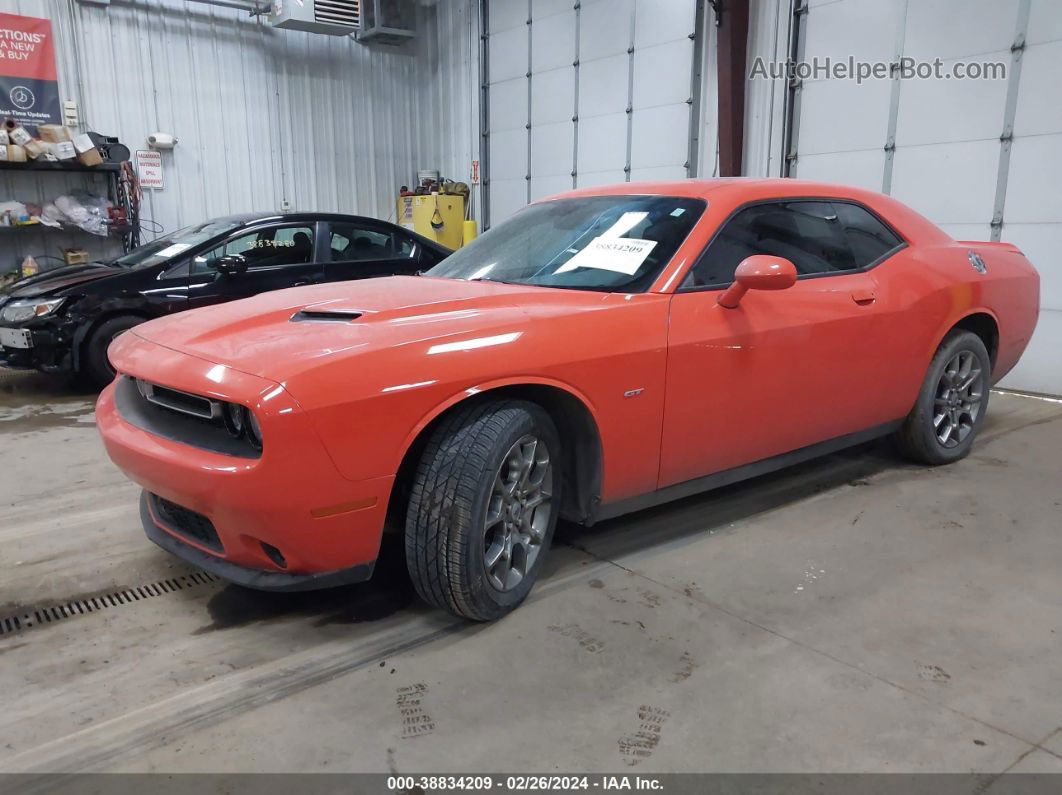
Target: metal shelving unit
{"points": [[118, 192]]}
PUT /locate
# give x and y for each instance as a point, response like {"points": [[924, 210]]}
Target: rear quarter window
{"points": [[869, 239]]}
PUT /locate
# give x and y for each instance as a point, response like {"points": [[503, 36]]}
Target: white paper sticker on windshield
{"points": [[618, 254], [172, 250], [624, 224]]}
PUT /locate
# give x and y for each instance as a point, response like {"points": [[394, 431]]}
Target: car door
{"points": [[165, 289], [276, 256], [362, 250], [784, 369]]}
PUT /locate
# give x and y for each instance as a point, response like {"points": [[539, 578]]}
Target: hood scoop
{"points": [[324, 316]]}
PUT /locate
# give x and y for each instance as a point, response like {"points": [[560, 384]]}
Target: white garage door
{"points": [[948, 160], [586, 94]]}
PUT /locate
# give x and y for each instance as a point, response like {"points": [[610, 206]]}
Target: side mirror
{"points": [[230, 264], [759, 272]]}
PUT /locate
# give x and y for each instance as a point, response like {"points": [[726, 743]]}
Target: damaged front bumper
{"points": [[49, 348]]}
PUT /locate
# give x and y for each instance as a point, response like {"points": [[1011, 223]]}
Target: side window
{"points": [[869, 238], [808, 233], [269, 247], [350, 243]]}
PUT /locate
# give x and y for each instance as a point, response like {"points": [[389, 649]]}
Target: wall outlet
{"points": [[285, 205], [70, 118]]}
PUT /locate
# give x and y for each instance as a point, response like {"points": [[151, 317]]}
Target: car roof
{"points": [[741, 188], [733, 192], [254, 218], [249, 219]]}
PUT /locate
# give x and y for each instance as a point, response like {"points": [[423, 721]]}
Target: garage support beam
{"points": [[575, 110], [484, 114], [894, 99], [630, 94], [732, 20], [699, 36], [791, 126], [530, 61], [1006, 138]]}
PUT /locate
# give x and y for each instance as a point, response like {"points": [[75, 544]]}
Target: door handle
{"points": [[864, 297]]}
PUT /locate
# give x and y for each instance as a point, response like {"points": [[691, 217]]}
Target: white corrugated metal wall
{"points": [[262, 115], [950, 160], [586, 93]]}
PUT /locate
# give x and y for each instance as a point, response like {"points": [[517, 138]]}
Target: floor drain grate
{"points": [[41, 616]]}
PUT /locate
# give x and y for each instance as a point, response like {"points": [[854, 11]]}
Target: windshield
{"points": [[165, 248], [607, 243]]}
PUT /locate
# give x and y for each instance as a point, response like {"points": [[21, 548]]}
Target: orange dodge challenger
{"points": [[602, 351]]}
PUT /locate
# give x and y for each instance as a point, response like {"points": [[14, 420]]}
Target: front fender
{"points": [[89, 312], [488, 386]]}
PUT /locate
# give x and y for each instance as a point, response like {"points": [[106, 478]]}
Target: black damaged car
{"points": [[62, 320]]}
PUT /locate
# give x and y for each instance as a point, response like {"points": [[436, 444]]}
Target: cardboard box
{"points": [[34, 148], [75, 256], [91, 157], [87, 153], [64, 150], [18, 135], [83, 143], [53, 133], [15, 153]]}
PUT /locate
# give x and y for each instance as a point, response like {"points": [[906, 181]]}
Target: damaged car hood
{"points": [[58, 279]]}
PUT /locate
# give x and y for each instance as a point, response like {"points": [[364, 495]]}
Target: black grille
{"points": [[182, 402], [188, 523], [164, 418]]}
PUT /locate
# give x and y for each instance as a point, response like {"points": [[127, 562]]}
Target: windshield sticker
{"points": [[172, 250], [618, 254], [624, 224]]}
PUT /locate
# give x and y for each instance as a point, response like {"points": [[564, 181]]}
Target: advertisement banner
{"points": [[29, 92]]}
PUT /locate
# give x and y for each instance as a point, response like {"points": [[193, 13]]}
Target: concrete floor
{"points": [[854, 614]]}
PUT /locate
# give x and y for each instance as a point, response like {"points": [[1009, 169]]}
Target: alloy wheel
{"points": [[960, 393], [518, 512]]}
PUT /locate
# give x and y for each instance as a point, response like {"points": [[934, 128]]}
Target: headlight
{"points": [[27, 309], [241, 423], [254, 431]]}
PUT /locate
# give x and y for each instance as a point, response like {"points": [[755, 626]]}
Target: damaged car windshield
{"points": [[607, 243], [165, 248]]}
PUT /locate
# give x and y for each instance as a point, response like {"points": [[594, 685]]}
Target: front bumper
{"points": [[49, 350], [246, 576], [291, 499]]}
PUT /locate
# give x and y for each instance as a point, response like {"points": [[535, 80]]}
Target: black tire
{"points": [[95, 366], [918, 437], [448, 535]]}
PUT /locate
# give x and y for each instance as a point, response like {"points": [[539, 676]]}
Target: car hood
{"points": [[59, 279], [279, 334]]}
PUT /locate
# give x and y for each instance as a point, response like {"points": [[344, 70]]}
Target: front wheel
{"points": [[484, 504], [95, 364], [951, 406]]}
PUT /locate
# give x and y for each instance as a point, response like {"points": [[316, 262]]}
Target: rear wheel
{"points": [[483, 508], [952, 404], [95, 365]]}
